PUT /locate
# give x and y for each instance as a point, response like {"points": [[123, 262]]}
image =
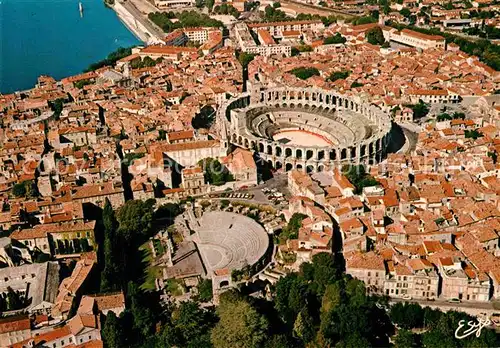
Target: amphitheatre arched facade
{"points": [[305, 128]]}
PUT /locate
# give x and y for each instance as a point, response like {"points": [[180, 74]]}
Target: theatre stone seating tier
{"points": [[230, 241]]}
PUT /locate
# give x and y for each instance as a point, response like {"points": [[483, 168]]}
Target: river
{"points": [[50, 37]]}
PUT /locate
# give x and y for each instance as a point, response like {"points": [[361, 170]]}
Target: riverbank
{"points": [[135, 21]]}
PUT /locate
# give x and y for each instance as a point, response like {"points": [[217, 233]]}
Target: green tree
{"points": [[335, 39], [14, 300], [364, 20], [272, 14], [191, 325], [108, 219], [205, 291], [167, 211], [332, 297], [304, 73], [443, 117], [407, 315], [110, 60], [375, 36], [184, 19], [204, 118], [135, 218], [487, 339], [162, 135], [325, 271], [19, 190], [240, 325], [215, 172], [420, 109], [291, 230], [338, 75], [57, 106], [112, 331], [82, 83], [358, 177], [31, 189], [146, 62], [302, 48], [364, 320], [280, 341], [436, 339], [291, 297], [386, 9], [303, 327], [354, 340], [405, 339], [493, 155], [405, 12], [245, 58], [473, 134], [113, 268], [142, 316]]}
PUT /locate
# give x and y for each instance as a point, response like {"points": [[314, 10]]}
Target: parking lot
{"points": [[273, 192]]}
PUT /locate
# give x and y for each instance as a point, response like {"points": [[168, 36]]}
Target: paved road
{"points": [[144, 6], [411, 139], [152, 28], [318, 8], [472, 308], [279, 182]]}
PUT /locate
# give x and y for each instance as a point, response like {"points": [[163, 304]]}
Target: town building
{"points": [[71, 288], [267, 46], [193, 180], [414, 39], [167, 4], [14, 329], [60, 238], [36, 282], [82, 329], [242, 166]]}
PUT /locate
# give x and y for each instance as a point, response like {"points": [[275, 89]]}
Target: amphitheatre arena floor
{"points": [[301, 138], [230, 241]]}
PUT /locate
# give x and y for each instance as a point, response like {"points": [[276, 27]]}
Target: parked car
{"points": [[454, 300], [495, 319]]}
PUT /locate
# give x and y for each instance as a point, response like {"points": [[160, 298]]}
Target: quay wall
{"points": [[134, 25]]}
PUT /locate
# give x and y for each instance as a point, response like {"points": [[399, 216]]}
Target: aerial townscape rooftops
{"points": [[260, 174]]}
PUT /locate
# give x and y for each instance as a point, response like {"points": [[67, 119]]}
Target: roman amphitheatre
{"points": [[229, 241], [305, 128]]}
